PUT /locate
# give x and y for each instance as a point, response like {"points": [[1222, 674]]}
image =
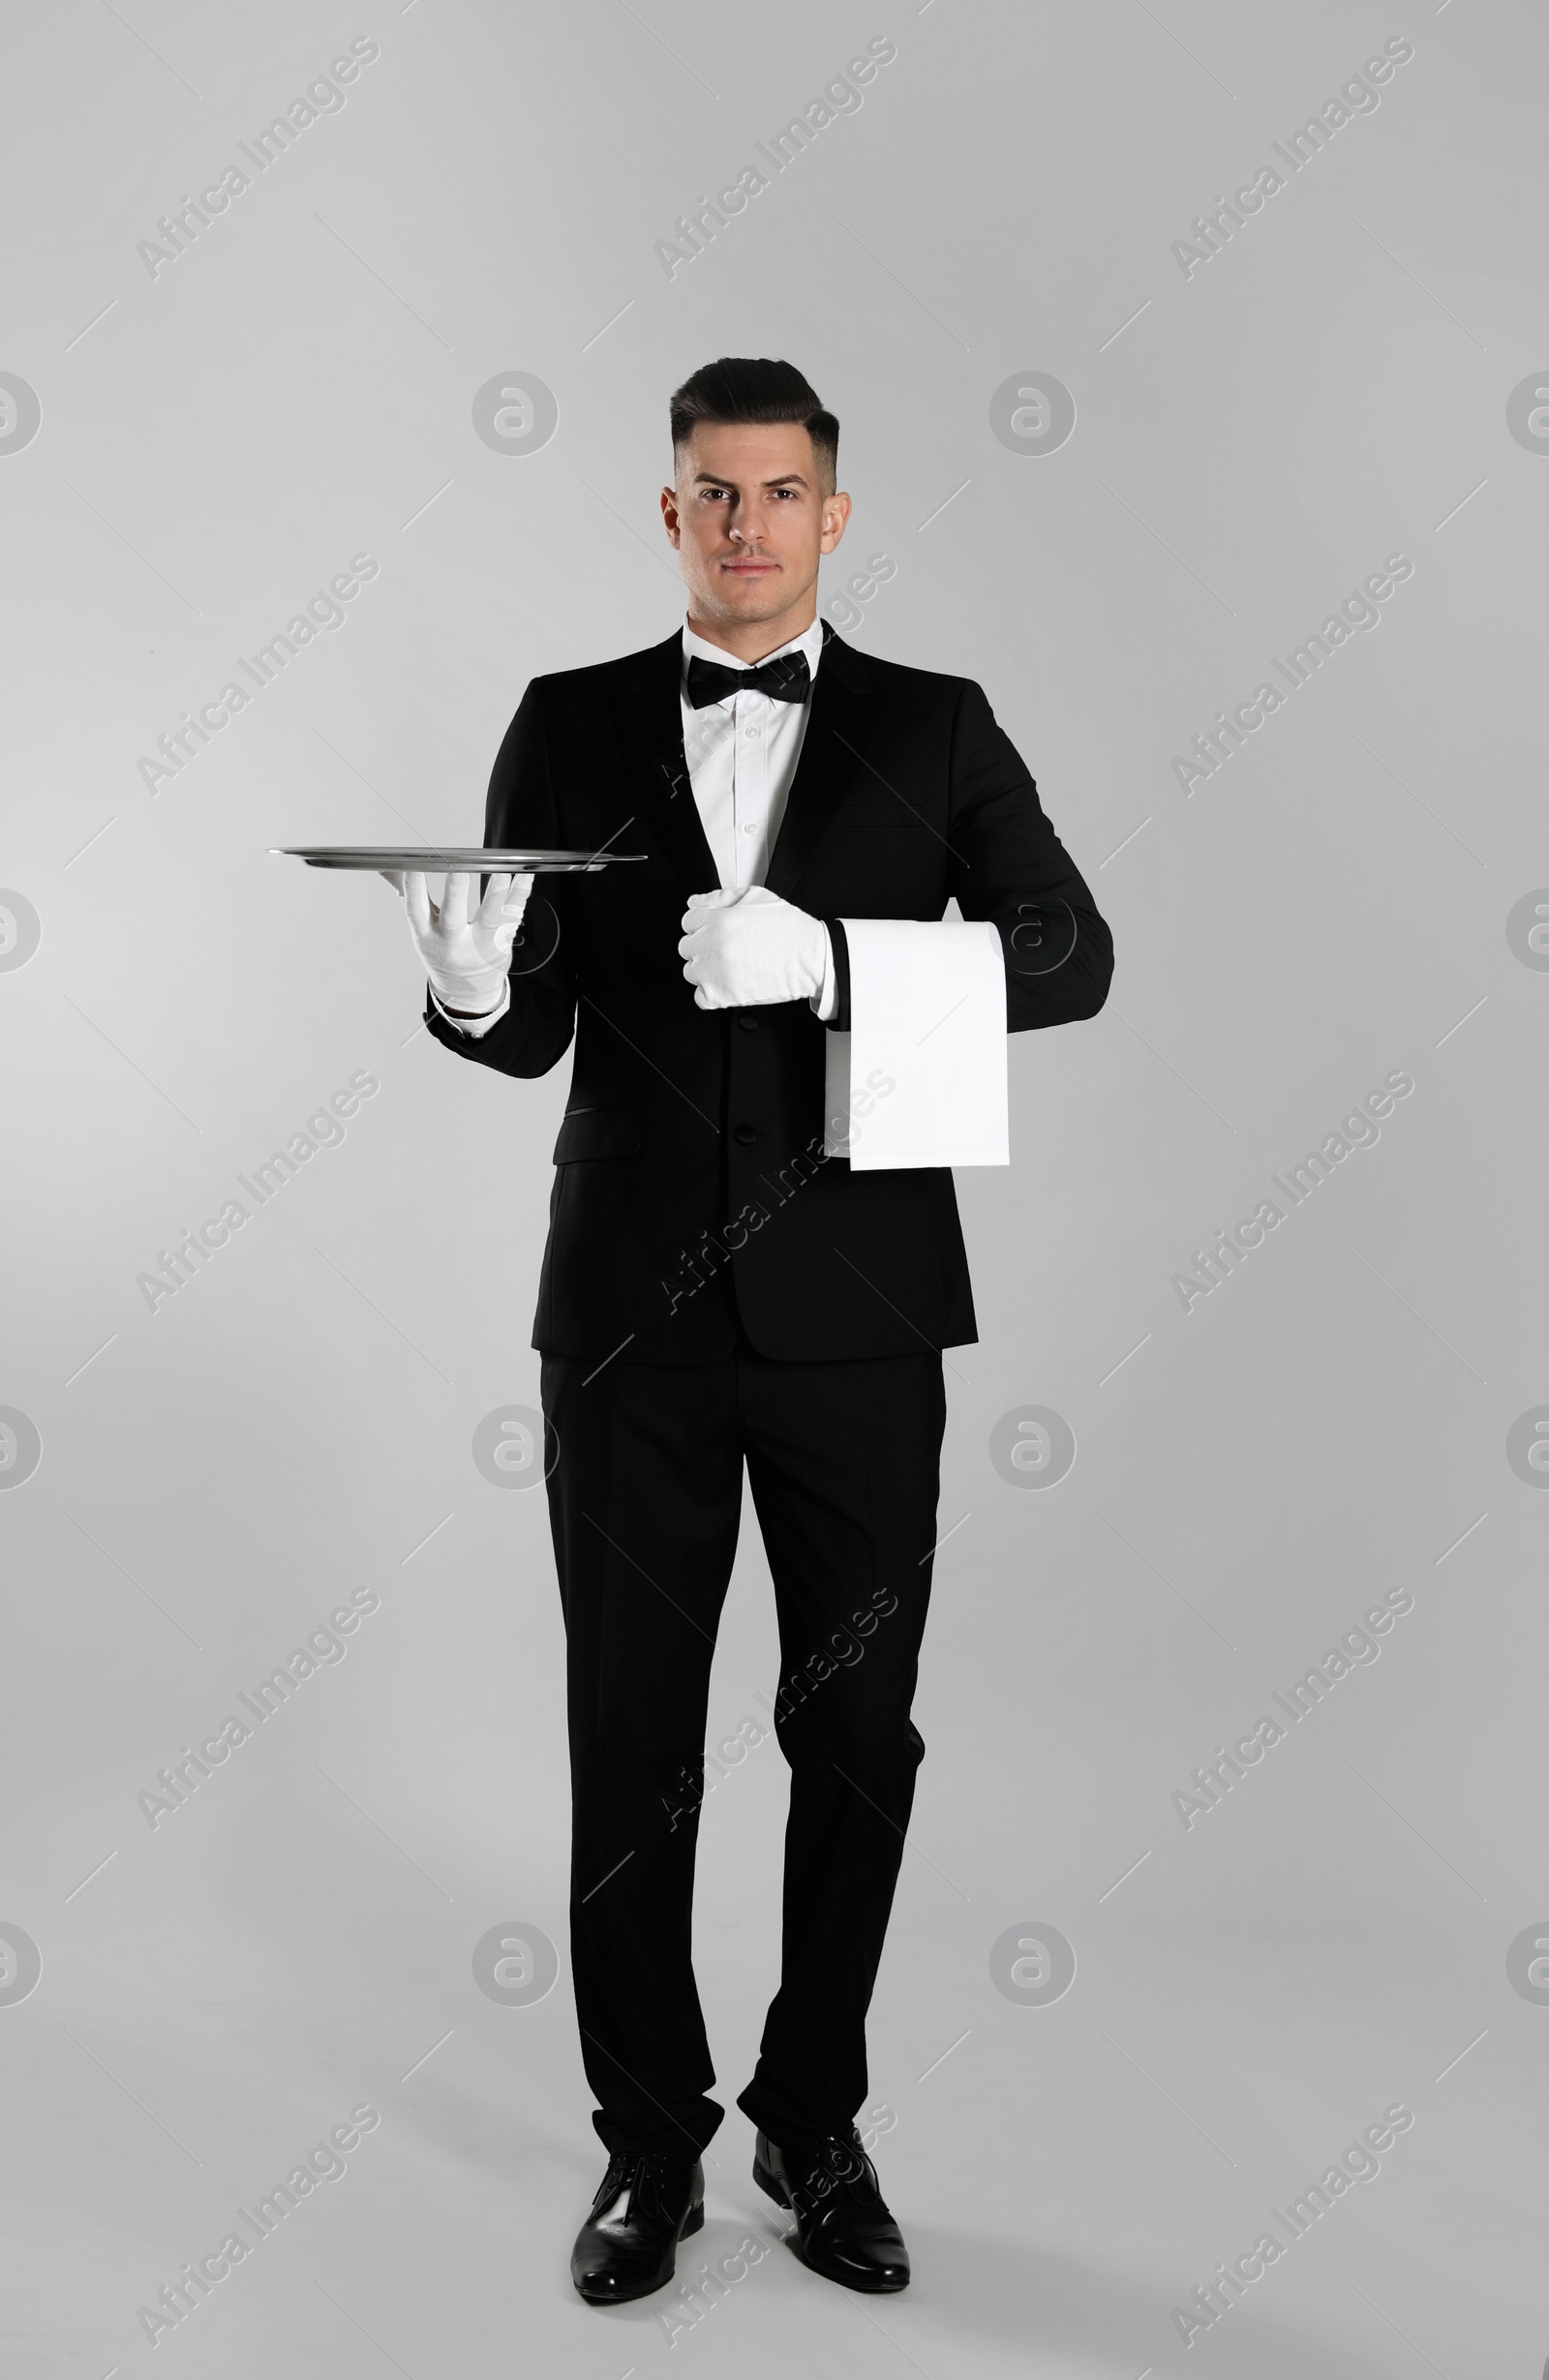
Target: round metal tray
{"points": [[446, 858]]}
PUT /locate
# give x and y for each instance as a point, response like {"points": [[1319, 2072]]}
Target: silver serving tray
{"points": [[444, 858]]}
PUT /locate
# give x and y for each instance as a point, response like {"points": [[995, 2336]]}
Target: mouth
{"points": [[751, 568]]}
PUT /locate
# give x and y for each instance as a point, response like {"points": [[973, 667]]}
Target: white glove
{"points": [[750, 949], [464, 944]]}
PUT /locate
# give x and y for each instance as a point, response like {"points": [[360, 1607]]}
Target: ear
{"points": [[836, 513]]}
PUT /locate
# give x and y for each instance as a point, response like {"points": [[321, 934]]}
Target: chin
{"points": [[756, 599]]}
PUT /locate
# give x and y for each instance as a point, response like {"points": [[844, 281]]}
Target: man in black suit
{"points": [[717, 1289]]}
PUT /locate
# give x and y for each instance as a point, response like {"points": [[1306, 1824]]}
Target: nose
{"points": [[748, 524]]}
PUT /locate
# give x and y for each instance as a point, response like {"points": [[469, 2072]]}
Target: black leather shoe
{"points": [[628, 2242], [842, 2227]]}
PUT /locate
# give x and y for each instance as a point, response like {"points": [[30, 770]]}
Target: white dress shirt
{"points": [[742, 755]]}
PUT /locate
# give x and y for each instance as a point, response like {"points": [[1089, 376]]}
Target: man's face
{"points": [[749, 520]]}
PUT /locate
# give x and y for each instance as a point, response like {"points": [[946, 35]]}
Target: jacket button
{"points": [[746, 1134], [750, 1024]]}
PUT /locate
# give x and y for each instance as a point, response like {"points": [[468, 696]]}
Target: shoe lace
{"points": [[641, 2168]]}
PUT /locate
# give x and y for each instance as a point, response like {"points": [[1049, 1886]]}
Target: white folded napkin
{"points": [[919, 1079]]}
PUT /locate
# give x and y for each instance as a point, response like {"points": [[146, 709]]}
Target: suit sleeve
{"points": [[1008, 866], [521, 808]]}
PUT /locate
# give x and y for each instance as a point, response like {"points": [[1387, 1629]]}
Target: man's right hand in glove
{"points": [[464, 944]]}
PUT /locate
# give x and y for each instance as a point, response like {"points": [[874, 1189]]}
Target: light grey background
{"points": [[1252, 440]]}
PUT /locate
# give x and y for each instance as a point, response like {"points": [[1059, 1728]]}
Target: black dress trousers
{"points": [[844, 1459]]}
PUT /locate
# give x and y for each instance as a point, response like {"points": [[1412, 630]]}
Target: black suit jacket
{"points": [[691, 1190]]}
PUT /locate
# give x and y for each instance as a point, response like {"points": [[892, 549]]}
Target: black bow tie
{"points": [[784, 679]]}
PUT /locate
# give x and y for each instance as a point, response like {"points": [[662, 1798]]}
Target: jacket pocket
{"points": [[598, 1132]]}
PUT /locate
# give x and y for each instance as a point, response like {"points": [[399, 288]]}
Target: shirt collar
{"points": [[810, 641]]}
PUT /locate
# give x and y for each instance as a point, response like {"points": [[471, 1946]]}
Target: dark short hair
{"points": [[757, 389]]}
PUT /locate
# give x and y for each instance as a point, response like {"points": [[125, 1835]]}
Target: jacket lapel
{"points": [[844, 700], [649, 727]]}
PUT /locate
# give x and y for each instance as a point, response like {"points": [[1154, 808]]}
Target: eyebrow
{"points": [[719, 479]]}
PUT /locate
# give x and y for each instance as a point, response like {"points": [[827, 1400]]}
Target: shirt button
{"points": [[750, 828], [751, 733], [746, 1134]]}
